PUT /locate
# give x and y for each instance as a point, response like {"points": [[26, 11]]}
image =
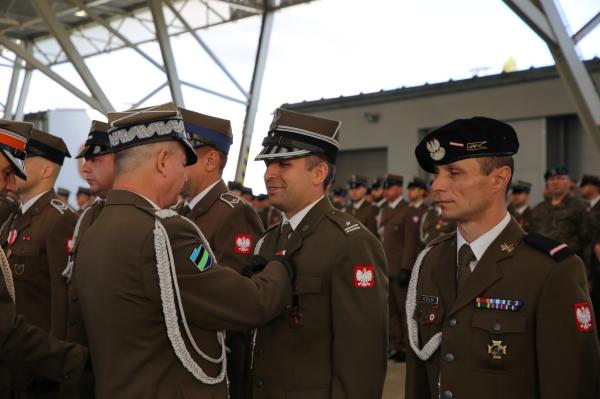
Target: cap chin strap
{"points": [[411, 303], [167, 278]]}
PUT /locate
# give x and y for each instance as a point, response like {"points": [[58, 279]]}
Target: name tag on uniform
{"points": [[430, 299]]}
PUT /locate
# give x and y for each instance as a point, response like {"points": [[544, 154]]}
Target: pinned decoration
{"points": [[583, 317], [26, 238], [498, 304], [12, 237], [415, 219], [243, 244], [507, 247], [70, 245], [496, 349], [364, 276], [431, 316], [201, 258], [19, 269]]}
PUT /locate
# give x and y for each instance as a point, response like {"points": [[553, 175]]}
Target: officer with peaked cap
{"points": [[36, 239], [20, 343], [229, 223], [98, 171], [84, 198], [331, 340], [360, 208], [519, 204], [168, 297], [493, 311], [63, 194]]}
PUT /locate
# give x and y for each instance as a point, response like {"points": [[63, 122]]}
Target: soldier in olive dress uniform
{"points": [[330, 342], [360, 208], [494, 312], [519, 204]]}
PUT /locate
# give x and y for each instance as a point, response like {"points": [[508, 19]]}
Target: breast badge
{"points": [[496, 349]]}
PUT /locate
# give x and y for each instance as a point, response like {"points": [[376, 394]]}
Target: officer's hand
{"points": [[403, 278], [290, 266], [255, 264]]}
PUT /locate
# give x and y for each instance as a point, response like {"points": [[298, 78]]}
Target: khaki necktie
{"points": [[286, 231], [465, 257]]}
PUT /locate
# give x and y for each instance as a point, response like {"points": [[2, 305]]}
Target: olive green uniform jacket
{"points": [[117, 285], [336, 348], [37, 259], [525, 219], [432, 225], [230, 225], [366, 214], [536, 351]]}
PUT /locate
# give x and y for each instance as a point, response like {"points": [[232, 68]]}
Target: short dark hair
{"points": [[488, 164], [313, 160]]}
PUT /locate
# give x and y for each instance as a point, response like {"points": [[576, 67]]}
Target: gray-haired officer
{"points": [[23, 344], [153, 298], [519, 204], [494, 312], [331, 340]]}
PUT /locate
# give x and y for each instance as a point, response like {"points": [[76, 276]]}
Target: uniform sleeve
{"points": [[372, 221], [26, 345], [57, 252], [236, 239], [412, 244], [220, 298], [360, 319], [562, 341]]}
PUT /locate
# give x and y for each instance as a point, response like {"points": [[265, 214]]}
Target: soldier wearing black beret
{"points": [[493, 311], [519, 204]]}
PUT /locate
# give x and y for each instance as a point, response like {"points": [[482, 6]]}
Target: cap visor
{"points": [[17, 164]]}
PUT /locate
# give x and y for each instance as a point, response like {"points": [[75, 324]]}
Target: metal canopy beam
{"points": [[533, 17], [255, 87], [162, 35], [587, 28], [210, 53], [575, 76], [24, 94], [32, 61], [12, 89], [62, 37]]}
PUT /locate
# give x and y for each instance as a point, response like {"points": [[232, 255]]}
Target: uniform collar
{"points": [[416, 204], [358, 204], [481, 244], [127, 197], [395, 203], [202, 194], [594, 201], [26, 205], [521, 209], [295, 220]]}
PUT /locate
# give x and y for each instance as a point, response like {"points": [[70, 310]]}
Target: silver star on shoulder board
{"points": [[506, 247], [348, 223]]}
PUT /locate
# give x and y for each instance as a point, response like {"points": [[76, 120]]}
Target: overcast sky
{"points": [[326, 48]]}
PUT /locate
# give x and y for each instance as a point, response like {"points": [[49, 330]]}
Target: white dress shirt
{"points": [[480, 245]]}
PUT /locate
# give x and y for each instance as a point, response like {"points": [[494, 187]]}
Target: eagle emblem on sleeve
{"points": [[243, 244], [583, 317], [364, 276]]}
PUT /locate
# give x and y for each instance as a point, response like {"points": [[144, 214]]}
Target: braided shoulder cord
{"points": [[8, 280], [411, 303]]}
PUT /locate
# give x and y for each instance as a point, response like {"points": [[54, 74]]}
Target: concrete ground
{"points": [[394, 382]]}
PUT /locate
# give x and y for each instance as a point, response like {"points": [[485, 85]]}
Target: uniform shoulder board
{"points": [[345, 222], [230, 199], [442, 238], [165, 213], [60, 206], [557, 250]]}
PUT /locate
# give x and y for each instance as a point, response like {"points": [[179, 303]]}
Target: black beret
{"points": [[589, 179], [466, 138]]}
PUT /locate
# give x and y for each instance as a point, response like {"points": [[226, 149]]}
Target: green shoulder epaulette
{"points": [[550, 247]]}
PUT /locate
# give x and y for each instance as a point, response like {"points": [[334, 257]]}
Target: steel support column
{"points": [[34, 62], [548, 23], [162, 35], [12, 89], [62, 37], [255, 87], [24, 93]]}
